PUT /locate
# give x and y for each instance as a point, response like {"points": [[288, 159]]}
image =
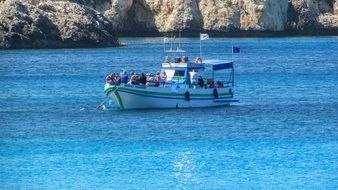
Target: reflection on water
{"points": [[184, 170]]}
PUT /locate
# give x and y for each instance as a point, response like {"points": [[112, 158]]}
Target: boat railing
{"points": [[181, 82], [202, 82]]}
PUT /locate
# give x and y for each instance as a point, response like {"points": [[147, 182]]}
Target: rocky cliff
{"points": [[230, 16], [93, 23]]}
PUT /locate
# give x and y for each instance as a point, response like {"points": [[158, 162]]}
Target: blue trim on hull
{"points": [[176, 98], [223, 101]]}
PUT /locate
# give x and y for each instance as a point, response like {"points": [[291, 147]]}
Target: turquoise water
{"points": [[283, 134]]}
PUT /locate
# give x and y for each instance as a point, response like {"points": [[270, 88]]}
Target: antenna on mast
{"points": [[173, 47]]}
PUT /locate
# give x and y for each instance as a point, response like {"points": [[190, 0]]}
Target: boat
{"points": [[181, 84]]}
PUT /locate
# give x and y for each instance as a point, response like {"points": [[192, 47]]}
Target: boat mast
{"points": [[174, 48], [171, 44], [179, 40]]}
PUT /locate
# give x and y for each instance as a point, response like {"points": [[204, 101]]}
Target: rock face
{"points": [[197, 15], [53, 24], [223, 15], [264, 15], [93, 23], [312, 15]]}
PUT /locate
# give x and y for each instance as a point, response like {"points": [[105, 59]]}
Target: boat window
{"points": [[170, 74], [177, 60], [179, 75], [191, 70]]}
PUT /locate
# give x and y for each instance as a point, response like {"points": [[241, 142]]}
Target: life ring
{"points": [[187, 96], [215, 93]]}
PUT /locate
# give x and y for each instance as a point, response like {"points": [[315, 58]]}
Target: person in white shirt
{"points": [[193, 77]]}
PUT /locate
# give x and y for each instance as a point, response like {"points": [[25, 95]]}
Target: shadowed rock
{"points": [[53, 24], [312, 16]]}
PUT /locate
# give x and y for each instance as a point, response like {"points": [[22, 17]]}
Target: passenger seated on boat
{"points": [[185, 59], [200, 81], [134, 79], [164, 77], [150, 80], [148, 75], [177, 60], [219, 84], [157, 79], [124, 77], [166, 59], [143, 79], [117, 79], [198, 60], [210, 83], [109, 79]]}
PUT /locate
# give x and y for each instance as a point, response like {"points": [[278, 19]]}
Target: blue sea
{"points": [[282, 134]]}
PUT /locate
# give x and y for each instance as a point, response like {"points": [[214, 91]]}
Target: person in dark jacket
{"points": [[200, 81], [143, 79]]}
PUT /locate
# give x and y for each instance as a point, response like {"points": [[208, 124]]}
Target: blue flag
{"points": [[236, 50]]}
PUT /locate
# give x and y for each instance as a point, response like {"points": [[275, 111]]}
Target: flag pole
{"points": [[179, 39], [232, 54], [200, 46], [164, 45]]}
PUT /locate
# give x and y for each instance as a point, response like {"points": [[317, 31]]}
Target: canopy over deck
{"points": [[182, 65], [219, 64]]}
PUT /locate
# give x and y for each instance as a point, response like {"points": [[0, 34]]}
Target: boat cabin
{"points": [[182, 72]]}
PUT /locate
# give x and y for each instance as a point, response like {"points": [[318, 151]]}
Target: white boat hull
{"points": [[138, 97]]}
